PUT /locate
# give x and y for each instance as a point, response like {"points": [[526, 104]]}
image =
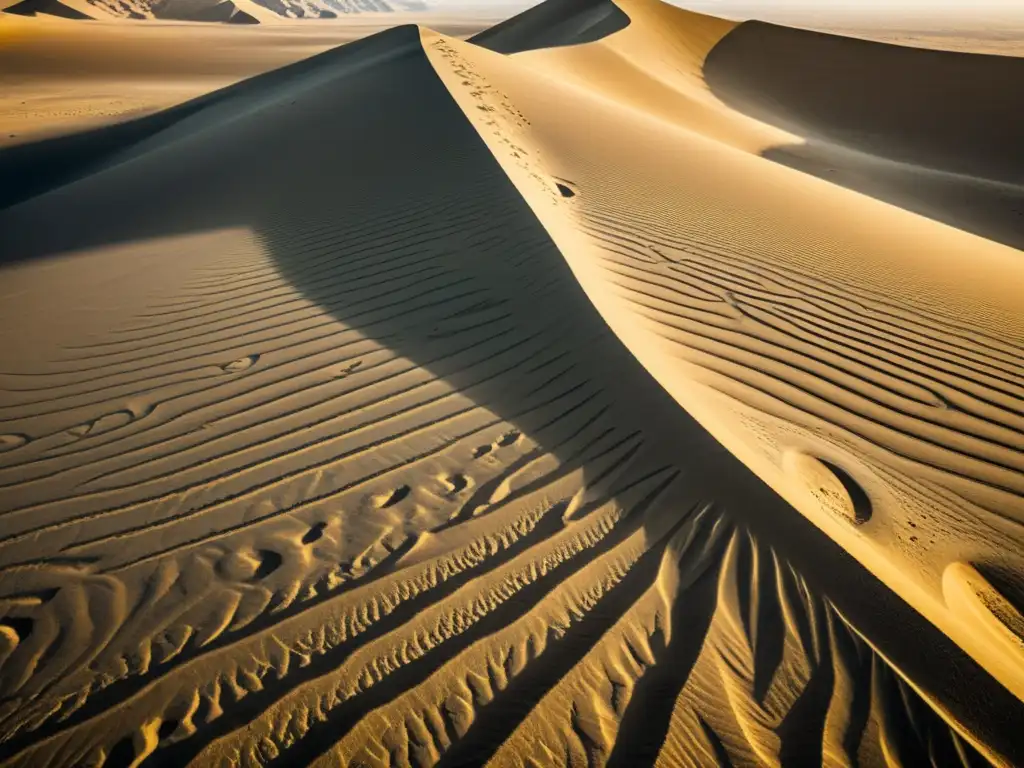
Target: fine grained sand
{"points": [[58, 76], [526, 400]]}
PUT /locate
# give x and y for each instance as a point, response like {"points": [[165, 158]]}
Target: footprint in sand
{"points": [[241, 364], [249, 565], [399, 494], [506, 440], [315, 533], [509, 438], [456, 483], [565, 190], [11, 441], [269, 561]]}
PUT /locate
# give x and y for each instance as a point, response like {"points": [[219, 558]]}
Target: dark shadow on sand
{"points": [[31, 169], [935, 132], [554, 24], [333, 171], [46, 7]]}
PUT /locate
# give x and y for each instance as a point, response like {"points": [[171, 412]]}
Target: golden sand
{"points": [[620, 386]]}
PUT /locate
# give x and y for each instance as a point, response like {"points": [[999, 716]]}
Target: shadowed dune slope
{"points": [[948, 111], [31, 169], [557, 23], [48, 7], [394, 410], [936, 132], [82, 90]]}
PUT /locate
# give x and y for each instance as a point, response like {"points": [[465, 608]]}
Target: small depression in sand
{"points": [[830, 487]]}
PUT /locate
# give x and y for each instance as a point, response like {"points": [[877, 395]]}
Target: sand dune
{"points": [[46, 7], [513, 401], [59, 79], [939, 140]]}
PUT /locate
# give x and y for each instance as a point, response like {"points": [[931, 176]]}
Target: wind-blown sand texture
{"points": [[59, 77], [621, 386]]}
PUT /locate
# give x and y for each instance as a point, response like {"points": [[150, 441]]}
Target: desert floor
{"points": [[618, 386]]}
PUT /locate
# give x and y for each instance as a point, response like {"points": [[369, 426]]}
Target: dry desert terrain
{"points": [[614, 386]]}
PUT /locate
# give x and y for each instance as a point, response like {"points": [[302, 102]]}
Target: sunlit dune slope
{"points": [[809, 328], [504, 402], [556, 23]]}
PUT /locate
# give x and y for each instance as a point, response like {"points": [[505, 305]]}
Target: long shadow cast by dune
{"points": [[553, 24], [934, 132], [382, 207], [31, 169]]}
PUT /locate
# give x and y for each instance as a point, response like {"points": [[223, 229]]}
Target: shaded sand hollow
{"points": [[621, 386]]}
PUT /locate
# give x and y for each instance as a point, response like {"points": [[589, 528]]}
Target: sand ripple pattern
{"points": [[320, 451]]}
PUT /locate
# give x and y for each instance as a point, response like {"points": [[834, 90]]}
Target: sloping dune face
{"points": [[503, 403], [551, 24], [842, 347], [931, 131]]}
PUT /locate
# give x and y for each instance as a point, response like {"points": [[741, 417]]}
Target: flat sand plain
{"points": [[619, 386]]}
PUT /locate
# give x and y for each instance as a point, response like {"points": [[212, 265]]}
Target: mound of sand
{"points": [[504, 401], [59, 79], [939, 138], [45, 7]]}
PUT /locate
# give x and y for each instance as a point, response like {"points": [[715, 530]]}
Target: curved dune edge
{"points": [[827, 487], [345, 466], [642, 214], [932, 132], [970, 594]]}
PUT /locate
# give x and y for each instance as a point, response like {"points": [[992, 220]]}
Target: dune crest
{"points": [[713, 294], [529, 416]]}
